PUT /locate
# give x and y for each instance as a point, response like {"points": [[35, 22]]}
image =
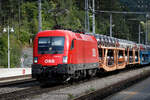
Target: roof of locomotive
{"points": [[48, 32], [71, 34]]}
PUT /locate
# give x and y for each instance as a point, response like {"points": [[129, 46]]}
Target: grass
{"points": [[70, 96], [92, 89], [2, 67], [145, 71], [25, 55]]}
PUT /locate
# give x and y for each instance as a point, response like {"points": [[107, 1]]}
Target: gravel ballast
{"points": [[78, 90]]}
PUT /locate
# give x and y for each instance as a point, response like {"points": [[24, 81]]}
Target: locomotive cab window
{"points": [[51, 45]]}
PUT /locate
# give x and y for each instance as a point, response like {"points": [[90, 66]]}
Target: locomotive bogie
{"points": [[63, 72]]}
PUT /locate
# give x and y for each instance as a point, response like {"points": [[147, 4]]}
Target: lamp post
{"points": [[8, 29]]}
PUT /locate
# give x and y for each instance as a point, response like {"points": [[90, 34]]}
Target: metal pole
{"points": [[93, 16], [146, 31], [88, 25], [139, 33], [8, 50], [110, 24], [85, 15], [40, 19], [19, 3]]}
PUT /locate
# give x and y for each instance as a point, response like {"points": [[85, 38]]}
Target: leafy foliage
{"points": [[15, 51], [67, 14], [137, 5]]}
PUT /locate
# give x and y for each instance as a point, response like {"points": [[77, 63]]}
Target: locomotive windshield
{"points": [[51, 45]]}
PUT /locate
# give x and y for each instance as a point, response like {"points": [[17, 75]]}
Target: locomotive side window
{"points": [[72, 44], [51, 45]]}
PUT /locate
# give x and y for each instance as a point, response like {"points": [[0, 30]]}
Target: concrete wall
{"points": [[5, 72]]}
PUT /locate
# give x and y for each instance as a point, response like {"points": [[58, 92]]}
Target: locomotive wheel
{"points": [[76, 75], [92, 72], [66, 78], [84, 73]]}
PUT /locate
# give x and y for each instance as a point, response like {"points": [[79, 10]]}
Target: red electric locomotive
{"points": [[61, 55]]}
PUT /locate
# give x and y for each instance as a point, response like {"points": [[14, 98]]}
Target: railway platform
{"points": [[14, 74]]}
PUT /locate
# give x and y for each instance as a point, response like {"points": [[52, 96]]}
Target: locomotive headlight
{"points": [[65, 59], [35, 59]]}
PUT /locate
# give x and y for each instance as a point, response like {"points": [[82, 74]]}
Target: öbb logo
{"points": [[49, 61]]}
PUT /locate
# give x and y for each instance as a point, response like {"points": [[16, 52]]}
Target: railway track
{"points": [[16, 82], [21, 90], [34, 90]]}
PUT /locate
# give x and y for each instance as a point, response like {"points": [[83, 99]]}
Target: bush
{"points": [[15, 51]]}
